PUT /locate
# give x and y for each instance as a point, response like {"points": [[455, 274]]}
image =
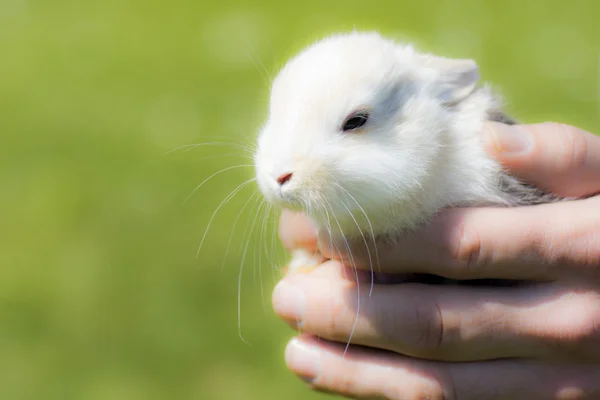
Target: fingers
{"points": [[367, 374], [559, 158], [543, 243], [451, 323]]}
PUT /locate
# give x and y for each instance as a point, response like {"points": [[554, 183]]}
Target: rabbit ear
{"points": [[456, 79]]}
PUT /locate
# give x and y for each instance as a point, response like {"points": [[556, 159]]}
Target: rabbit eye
{"points": [[355, 121]]}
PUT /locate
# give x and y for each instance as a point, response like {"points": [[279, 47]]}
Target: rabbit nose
{"points": [[284, 178]]}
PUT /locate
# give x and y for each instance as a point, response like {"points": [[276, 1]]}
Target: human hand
{"points": [[536, 340]]}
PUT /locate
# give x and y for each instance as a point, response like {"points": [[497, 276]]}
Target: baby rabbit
{"points": [[369, 137]]}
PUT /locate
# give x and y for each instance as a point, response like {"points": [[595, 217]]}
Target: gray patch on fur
{"points": [[521, 193]]}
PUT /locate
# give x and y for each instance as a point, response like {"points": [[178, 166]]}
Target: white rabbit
{"points": [[370, 137]]}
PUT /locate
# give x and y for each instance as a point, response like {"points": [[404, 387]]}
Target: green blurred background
{"points": [[101, 293]]}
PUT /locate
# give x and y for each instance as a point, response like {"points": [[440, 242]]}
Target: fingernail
{"points": [[303, 360], [511, 139], [289, 302]]}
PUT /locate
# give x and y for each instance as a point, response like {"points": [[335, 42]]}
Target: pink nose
{"points": [[283, 178]]}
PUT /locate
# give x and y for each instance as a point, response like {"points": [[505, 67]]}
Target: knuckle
{"points": [[465, 251], [419, 330], [429, 334], [571, 148]]}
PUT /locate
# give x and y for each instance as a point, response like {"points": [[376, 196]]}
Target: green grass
{"points": [[101, 293]]}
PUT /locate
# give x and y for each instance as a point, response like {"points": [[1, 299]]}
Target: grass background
{"points": [[101, 293]]}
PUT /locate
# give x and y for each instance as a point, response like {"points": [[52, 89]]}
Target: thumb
{"points": [[559, 158]]}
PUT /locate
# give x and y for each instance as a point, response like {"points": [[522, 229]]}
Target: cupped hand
{"points": [[538, 339]]}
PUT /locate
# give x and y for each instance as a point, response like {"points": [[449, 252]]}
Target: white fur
{"points": [[420, 150]]}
